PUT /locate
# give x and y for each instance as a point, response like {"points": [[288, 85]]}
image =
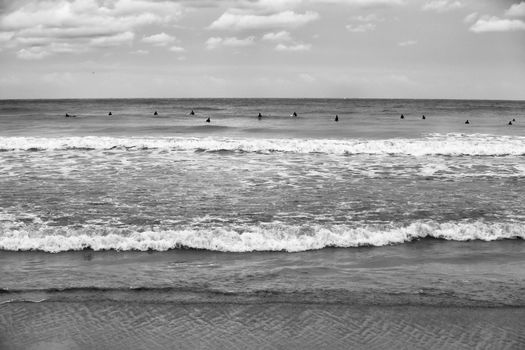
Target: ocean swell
{"points": [[433, 144]]}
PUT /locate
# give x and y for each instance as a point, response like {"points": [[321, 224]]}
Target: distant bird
{"points": [[467, 122], [423, 117], [192, 112], [336, 118], [294, 114], [110, 113], [510, 123], [402, 116], [155, 113], [259, 116], [208, 120]]}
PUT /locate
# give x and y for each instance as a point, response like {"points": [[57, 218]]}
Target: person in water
{"points": [[110, 113], [294, 114], [402, 116], [259, 116], [208, 120], [510, 123], [192, 112], [155, 113], [467, 122], [336, 118], [423, 117]]}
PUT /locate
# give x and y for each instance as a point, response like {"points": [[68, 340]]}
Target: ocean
{"points": [[303, 223]]}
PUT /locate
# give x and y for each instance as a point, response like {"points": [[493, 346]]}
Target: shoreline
{"points": [[101, 325]]}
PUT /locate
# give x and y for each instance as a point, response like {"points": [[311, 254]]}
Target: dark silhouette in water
{"points": [[208, 120], [467, 122], [402, 116], [110, 113], [259, 116], [155, 113], [294, 114], [513, 119], [336, 118], [423, 117], [192, 112], [510, 123], [70, 116]]}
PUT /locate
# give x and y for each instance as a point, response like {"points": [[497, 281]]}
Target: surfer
{"points": [[402, 116], [208, 120], [70, 116], [467, 122], [155, 113], [110, 113], [259, 116], [336, 118], [294, 114], [510, 123], [192, 112], [423, 117]]}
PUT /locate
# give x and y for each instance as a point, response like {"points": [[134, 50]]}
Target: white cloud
{"points": [[83, 24], [307, 78], [160, 39], [360, 28], [176, 49], [516, 10], [215, 42], [408, 43], [140, 52], [240, 21], [293, 47], [278, 36], [362, 3], [113, 40], [369, 18], [33, 53], [442, 5], [495, 24], [470, 18]]}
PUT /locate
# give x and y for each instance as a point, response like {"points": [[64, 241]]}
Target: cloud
{"points": [[33, 53], [516, 10], [161, 39], [278, 36], [83, 24], [293, 47], [495, 24], [176, 49], [442, 5], [113, 40], [407, 43], [470, 18], [362, 3], [240, 21], [215, 42], [360, 28]]}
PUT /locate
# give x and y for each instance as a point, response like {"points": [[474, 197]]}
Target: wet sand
{"points": [[121, 325]]}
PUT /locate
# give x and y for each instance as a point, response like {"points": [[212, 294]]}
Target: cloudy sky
{"points": [[262, 48]]}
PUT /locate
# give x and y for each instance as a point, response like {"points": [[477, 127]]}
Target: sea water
{"points": [[372, 209]]}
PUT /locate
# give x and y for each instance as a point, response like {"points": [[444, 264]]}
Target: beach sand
{"points": [[129, 325]]}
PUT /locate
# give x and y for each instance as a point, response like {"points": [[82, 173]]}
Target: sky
{"points": [[459, 49]]}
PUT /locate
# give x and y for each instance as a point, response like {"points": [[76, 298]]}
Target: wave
{"points": [[23, 236], [433, 144]]}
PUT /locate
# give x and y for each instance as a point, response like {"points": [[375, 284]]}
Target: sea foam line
{"points": [[433, 144], [263, 237]]}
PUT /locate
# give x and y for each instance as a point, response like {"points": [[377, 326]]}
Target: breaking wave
{"points": [[433, 144], [19, 236]]}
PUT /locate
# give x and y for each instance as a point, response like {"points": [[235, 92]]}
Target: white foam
{"points": [[434, 144], [243, 238]]}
